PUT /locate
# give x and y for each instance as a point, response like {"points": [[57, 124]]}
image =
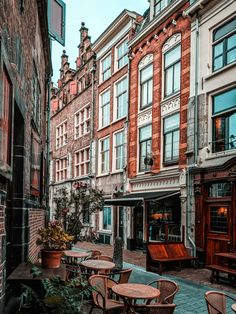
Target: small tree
{"points": [[70, 206]]}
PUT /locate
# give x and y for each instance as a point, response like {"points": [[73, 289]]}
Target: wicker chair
{"points": [[168, 290], [105, 258], [123, 275], [217, 301], [93, 254], [100, 293]]}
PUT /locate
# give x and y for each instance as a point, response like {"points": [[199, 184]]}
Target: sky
{"points": [[97, 16]]}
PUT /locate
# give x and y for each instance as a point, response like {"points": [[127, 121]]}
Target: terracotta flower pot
{"points": [[51, 259]]}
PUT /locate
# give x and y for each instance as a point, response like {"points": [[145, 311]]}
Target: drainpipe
{"points": [[93, 70], [189, 176]]}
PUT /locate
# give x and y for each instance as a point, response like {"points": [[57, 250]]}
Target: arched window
{"points": [[146, 81]]}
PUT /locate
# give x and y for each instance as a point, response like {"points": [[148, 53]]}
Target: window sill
{"points": [[117, 171], [61, 146], [103, 127], [106, 80], [116, 70], [103, 175], [225, 68], [141, 109], [117, 120], [170, 163], [167, 98], [224, 153], [81, 136]]}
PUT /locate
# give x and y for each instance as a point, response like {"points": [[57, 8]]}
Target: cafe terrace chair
{"points": [[100, 294], [93, 254], [105, 258], [217, 302], [123, 275], [167, 288]]}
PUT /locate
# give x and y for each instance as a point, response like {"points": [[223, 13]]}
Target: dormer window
{"points": [[160, 5]]}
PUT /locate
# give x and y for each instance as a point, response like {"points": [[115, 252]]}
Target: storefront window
{"points": [[219, 219], [220, 189]]}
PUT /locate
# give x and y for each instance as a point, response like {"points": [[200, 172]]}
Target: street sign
{"points": [[57, 20]]}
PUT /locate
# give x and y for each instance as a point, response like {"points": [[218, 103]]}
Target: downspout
{"points": [[189, 176], [92, 70]]}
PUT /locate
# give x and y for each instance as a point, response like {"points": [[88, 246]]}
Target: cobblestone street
{"points": [[193, 283]]}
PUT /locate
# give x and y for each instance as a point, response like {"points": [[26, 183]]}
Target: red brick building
{"points": [[25, 70], [159, 92], [111, 110], [71, 121]]}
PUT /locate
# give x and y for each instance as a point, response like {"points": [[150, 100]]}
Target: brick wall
{"points": [[36, 221], [155, 47]]}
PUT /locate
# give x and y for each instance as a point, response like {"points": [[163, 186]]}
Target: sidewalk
{"points": [[195, 276]]}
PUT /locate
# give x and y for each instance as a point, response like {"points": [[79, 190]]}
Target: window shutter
{"points": [[55, 105], [73, 88]]}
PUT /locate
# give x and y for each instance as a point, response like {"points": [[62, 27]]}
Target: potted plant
{"points": [[54, 240]]}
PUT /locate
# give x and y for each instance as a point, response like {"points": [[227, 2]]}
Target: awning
{"points": [[134, 199]]}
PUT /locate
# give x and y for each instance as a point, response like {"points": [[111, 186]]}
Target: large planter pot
{"points": [[51, 259]]}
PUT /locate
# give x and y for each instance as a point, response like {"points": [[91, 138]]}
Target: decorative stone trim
{"points": [[172, 41], [146, 60], [145, 117], [170, 106], [155, 184]]}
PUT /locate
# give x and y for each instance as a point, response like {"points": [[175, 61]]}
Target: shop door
{"points": [[218, 224], [138, 227]]}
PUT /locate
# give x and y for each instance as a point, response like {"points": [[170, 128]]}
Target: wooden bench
{"points": [[217, 269], [160, 253]]}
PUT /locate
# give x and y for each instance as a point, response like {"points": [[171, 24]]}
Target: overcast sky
{"points": [[97, 15]]}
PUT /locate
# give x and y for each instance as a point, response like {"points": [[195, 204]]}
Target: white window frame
{"points": [[101, 108], [107, 69], [146, 61], [171, 42], [82, 163], [114, 151], [116, 54], [115, 99], [61, 169], [61, 134], [82, 124], [100, 156], [138, 146]]}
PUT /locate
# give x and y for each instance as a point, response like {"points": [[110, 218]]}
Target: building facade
{"points": [[212, 126], [111, 111], [159, 93], [72, 122], [25, 69]]}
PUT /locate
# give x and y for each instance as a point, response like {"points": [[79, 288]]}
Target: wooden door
{"points": [[218, 222]]}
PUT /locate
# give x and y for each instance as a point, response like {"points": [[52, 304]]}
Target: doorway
{"points": [[138, 227]]}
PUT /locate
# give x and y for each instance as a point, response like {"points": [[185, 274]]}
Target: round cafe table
{"points": [[134, 291], [73, 256], [98, 265]]}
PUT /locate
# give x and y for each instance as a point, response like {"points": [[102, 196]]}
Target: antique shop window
{"points": [[224, 45], [220, 189], [172, 71], [145, 147], [224, 121], [219, 219]]}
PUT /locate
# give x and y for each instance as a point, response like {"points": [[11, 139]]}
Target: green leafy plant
{"points": [[72, 205], [59, 297], [53, 237]]}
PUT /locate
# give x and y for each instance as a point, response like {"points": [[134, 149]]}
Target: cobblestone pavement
{"points": [[193, 283]]}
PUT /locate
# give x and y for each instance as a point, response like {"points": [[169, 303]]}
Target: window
{"points": [[106, 68], [145, 146], [224, 121], [161, 5], [219, 219], [36, 100], [107, 218], [105, 155], [122, 54], [119, 150], [105, 108], [5, 120], [85, 214], [146, 86], [220, 189], [61, 169], [224, 45], [82, 162], [61, 135], [82, 122], [172, 71], [121, 98], [171, 138]]}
